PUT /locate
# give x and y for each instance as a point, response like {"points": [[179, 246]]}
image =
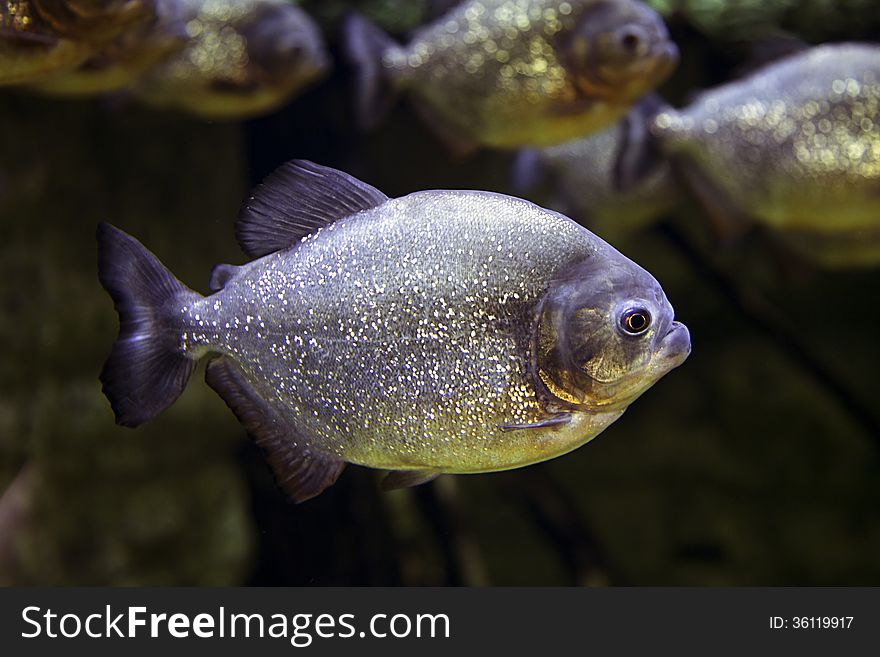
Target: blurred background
{"points": [[755, 463]]}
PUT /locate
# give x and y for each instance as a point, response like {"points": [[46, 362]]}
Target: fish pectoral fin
{"points": [[553, 421], [298, 199], [408, 478], [301, 471]]}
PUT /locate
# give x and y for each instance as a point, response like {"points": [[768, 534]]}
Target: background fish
{"points": [[40, 37], [244, 58], [796, 147], [612, 182], [126, 58], [445, 331], [509, 73]]}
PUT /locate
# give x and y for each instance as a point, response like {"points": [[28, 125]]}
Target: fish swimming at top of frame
{"points": [[594, 180], [440, 332], [124, 59], [512, 73], [42, 37], [244, 58], [794, 147]]}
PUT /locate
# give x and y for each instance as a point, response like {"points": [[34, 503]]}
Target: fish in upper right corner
{"points": [[794, 147], [515, 73]]}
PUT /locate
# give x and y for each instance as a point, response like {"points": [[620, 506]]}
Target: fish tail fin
{"points": [[365, 46], [146, 370], [526, 171]]}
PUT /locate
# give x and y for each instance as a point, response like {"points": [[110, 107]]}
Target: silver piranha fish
{"points": [[244, 58], [440, 332], [612, 182], [124, 59], [795, 147], [512, 73], [42, 37]]}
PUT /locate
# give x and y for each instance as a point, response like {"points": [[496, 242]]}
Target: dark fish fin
{"points": [[146, 371], [459, 145], [730, 224], [220, 276], [24, 36], [769, 47], [554, 421], [526, 171], [364, 46], [296, 200], [301, 471], [408, 478], [638, 154]]}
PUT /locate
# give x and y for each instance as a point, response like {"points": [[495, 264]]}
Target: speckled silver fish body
{"points": [[510, 73], [434, 333], [243, 58], [796, 147], [613, 182]]}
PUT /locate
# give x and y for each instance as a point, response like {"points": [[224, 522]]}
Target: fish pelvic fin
{"points": [[408, 478], [146, 370], [375, 86], [302, 471]]}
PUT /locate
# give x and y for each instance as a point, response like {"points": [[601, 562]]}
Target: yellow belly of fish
{"points": [[486, 449]]}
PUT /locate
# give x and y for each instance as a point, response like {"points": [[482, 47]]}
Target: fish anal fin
{"points": [[302, 471], [557, 420], [408, 478], [297, 200], [730, 224]]}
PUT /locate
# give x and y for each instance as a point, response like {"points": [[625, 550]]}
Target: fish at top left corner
{"points": [[42, 37], [243, 58]]}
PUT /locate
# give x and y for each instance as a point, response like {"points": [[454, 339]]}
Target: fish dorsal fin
{"points": [[296, 200]]}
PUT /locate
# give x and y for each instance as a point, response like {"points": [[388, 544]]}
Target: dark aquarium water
{"points": [[757, 462]]}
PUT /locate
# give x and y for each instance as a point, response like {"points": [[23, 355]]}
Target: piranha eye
{"points": [[635, 321], [632, 41]]}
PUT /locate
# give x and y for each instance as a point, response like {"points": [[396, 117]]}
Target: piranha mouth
{"points": [[663, 60], [674, 348], [671, 352]]}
